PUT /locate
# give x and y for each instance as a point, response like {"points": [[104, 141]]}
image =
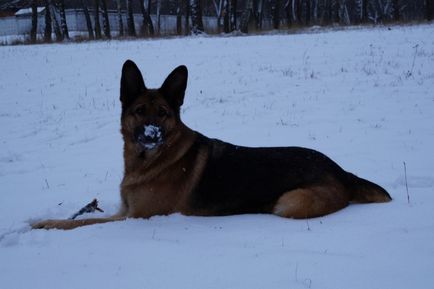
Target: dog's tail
{"points": [[364, 191]]}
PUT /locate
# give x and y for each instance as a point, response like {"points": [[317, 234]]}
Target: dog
{"points": [[170, 168]]}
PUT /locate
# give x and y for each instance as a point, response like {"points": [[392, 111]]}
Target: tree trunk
{"points": [[144, 27], [147, 26], [298, 11], [48, 30], [226, 16], [344, 14], [150, 24], [196, 17], [288, 12], [234, 15], [229, 15], [364, 11], [396, 10], [326, 14], [96, 20], [34, 30], [120, 21], [341, 11], [179, 17], [130, 19], [308, 12], [57, 30], [158, 16], [63, 24], [314, 9], [335, 7], [259, 14], [275, 13], [105, 20], [87, 17], [187, 16], [428, 9], [245, 17], [219, 13]]}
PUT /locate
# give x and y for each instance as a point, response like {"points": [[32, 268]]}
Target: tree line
{"points": [[232, 15]]}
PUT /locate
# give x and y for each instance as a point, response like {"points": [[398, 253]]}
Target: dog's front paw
{"points": [[46, 224]]}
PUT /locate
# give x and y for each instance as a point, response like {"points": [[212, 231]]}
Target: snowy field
{"points": [[365, 97]]}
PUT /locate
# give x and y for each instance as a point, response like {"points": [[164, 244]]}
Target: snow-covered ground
{"points": [[365, 97]]}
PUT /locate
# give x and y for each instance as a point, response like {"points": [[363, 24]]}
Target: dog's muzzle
{"points": [[149, 136]]}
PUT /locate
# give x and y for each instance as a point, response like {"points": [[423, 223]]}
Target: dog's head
{"points": [[150, 116]]}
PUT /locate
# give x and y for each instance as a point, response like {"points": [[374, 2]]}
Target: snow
{"points": [[25, 11], [364, 97], [152, 135]]}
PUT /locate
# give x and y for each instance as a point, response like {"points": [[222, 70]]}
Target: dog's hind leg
{"points": [[311, 202]]}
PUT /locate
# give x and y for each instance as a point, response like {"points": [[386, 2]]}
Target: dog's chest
{"points": [[162, 195]]}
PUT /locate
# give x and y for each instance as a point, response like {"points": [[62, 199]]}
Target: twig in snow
{"points": [[89, 208], [410, 72], [406, 183]]}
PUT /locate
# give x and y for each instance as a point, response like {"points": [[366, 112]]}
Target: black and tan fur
{"points": [[195, 175]]}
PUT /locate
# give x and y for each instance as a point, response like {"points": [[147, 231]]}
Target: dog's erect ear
{"points": [[132, 83], [174, 86]]}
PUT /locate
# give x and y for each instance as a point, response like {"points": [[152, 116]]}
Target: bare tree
{"points": [[380, 11], [105, 19], [48, 29], [196, 17], [325, 17], [226, 16], [428, 9], [158, 16], [275, 13], [57, 30], [298, 11], [179, 17], [260, 14], [314, 11], [229, 15], [130, 19], [34, 21], [87, 17], [96, 20], [335, 9], [396, 10], [233, 13], [307, 12], [246, 16], [362, 6], [63, 24], [218, 6], [147, 26], [187, 16], [346, 13], [288, 12], [120, 21]]}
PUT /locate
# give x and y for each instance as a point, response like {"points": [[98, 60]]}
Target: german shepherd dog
{"points": [[170, 168]]}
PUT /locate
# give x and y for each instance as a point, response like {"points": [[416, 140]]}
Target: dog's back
{"points": [[239, 179]]}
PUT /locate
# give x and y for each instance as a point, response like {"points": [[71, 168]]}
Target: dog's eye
{"points": [[162, 112], [141, 110]]}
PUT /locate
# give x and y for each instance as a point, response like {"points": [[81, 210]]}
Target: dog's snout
{"points": [[149, 136]]}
